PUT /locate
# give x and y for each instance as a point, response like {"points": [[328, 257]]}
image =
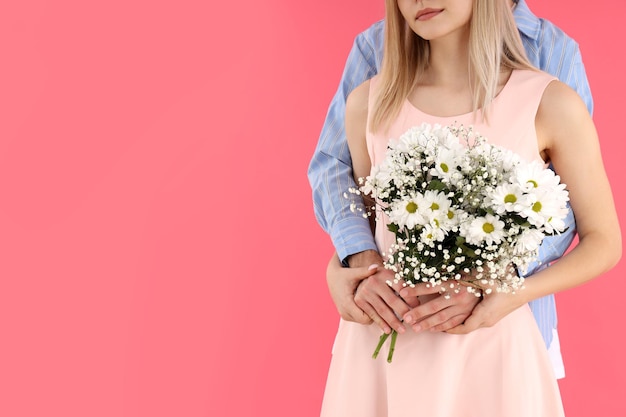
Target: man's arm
{"points": [[330, 170], [331, 175], [559, 55]]}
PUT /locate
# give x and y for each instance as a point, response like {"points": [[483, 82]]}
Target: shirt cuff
{"points": [[352, 235]]}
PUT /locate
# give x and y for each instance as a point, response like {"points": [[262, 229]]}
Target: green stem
{"points": [[382, 339], [392, 347]]}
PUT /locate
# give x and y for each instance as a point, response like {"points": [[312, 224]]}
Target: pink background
{"points": [[158, 250]]}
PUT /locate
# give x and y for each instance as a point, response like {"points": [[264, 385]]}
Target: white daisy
{"points": [[509, 159], [436, 203], [446, 163], [535, 176], [431, 234], [508, 198], [417, 137], [545, 210], [451, 219], [528, 241], [408, 212], [446, 138], [489, 229]]}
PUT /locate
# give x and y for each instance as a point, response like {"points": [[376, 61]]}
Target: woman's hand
{"points": [[490, 311], [441, 313]]}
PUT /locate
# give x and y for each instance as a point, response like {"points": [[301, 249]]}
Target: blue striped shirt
{"points": [[330, 171]]}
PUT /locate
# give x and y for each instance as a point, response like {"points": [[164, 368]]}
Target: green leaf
{"points": [[467, 251], [436, 185], [519, 220]]}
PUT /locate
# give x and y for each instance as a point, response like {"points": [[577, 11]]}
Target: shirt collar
{"points": [[527, 22]]}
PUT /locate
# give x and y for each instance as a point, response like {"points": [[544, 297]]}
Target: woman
{"points": [[461, 61]]}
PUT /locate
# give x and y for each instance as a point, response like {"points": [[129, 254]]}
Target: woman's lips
{"points": [[426, 14]]}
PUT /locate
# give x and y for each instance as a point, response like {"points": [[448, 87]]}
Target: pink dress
{"points": [[501, 371]]}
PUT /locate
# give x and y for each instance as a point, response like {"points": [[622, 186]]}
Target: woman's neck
{"points": [[448, 63]]}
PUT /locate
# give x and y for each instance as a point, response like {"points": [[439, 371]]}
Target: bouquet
{"points": [[464, 213]]}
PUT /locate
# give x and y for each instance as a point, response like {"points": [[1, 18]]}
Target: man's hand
{"points": [[342, 284], [362, 294], [491, 310], [442, 313], [380, 302]]}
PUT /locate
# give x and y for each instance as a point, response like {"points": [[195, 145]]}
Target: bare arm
{"points": [[567, 139], [570, 142]]}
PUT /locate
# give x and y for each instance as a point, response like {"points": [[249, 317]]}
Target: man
{"points": [[363, 296]]}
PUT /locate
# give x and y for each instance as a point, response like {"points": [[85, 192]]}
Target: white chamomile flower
{"points": [[508, 198], [446, 138], [508, 160], [436, 203], [408, 212], [528, 241], [431, 234], [418, 137], [446, 163], [535, 176], [489, 229], [544, 210], [556, 224], [450, 220]]}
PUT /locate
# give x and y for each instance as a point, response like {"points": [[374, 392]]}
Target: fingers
{"points": [[379, 302], [442, 321], [449, 324], [480, 317], [342, 283], [352, 312], [375, 317], [412, 302], [335, 271], [442, 313], [430, 313], [471, 324], [349, 309]]}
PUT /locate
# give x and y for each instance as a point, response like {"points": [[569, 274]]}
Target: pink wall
{"points": [[158, 250]]}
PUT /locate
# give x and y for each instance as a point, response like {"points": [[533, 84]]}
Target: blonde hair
{"points": [[494, 44]]}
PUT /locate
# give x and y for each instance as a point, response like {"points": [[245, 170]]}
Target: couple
{"points": [[458, 356]]}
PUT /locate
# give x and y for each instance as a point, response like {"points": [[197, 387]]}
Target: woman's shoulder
{"points": [[555, 97], [358, 99], [560, 100], [533, 75], [561, 111]]}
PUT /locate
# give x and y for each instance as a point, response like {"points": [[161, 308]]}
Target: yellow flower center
{"points": [[488, 228], [534, 183], [537, 207], [450, 214], [444, 167], [510, 198], [411, 207], [434, 206]]}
